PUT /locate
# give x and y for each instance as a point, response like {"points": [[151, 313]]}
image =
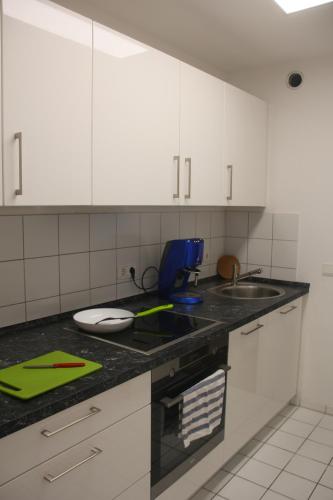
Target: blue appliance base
{"points": [[185, 298]]}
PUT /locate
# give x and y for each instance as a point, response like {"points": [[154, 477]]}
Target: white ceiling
{"points": [[223, 35]]}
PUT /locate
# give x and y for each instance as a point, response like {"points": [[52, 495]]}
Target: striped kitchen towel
{"points": [[202, 407]]}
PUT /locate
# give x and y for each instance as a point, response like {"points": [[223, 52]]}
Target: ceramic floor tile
{"points": [[203, 495], [327, 422], [307, 416], [218, 481], [322, 493], [264, 434], [273, 456], [316, 451], [288, 410], [285, 441], [277, 421], [272, 495], [251, 448], [240, 489], [297, 428], [235, 463], [322, 436], [259, 473], [307, 468], [327, 479], [293, 486]]}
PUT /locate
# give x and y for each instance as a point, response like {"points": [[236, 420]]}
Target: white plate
{"points": [[87, 320]]}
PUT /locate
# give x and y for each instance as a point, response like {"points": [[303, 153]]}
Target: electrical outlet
{"points": [[124, 272]]}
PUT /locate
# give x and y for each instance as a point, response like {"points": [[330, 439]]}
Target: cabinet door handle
{"points": [[188, 161], [229, 167], [51, 478], [253, 329], [291, 308], [177, 159], [18, 136], [92, 411]]}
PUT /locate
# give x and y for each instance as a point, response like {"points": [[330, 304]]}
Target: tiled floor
{"points": [[290, 458]]}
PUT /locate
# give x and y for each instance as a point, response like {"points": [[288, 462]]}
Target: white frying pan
{"points": [[110, 320]]}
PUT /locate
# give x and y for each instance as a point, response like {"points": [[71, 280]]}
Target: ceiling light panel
{"points": [[290, 6]]}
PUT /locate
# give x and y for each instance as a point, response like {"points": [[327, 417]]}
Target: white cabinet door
{"points": [[202, 119], [135, 122], [243, 398], [279, 353], [246, 124], [47, 71]]}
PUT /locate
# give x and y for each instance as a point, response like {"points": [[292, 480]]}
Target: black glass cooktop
{"points": [[152, 333]]}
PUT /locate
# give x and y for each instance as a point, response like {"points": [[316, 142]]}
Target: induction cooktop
{"points": [[150, 334]]}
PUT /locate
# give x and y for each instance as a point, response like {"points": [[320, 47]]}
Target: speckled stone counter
{"points": [[23, 342]]}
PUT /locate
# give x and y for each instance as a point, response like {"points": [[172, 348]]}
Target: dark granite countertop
{"points": [[23, 342]]}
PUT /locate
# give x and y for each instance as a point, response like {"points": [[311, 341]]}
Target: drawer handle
{"points": [[291, 308], [50, 478], [92, 411], [253, 330]]}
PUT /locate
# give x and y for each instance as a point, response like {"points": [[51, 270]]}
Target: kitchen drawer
{"points": [[39, 442], [139, 491], [100, 467]]}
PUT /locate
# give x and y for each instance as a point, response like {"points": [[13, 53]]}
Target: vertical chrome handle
{"points": [[229, 167], [18, 136], [188, 161], [177, 159], [51, 478]]}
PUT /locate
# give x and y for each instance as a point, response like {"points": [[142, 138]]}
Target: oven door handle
{"points": [[170, 402]]}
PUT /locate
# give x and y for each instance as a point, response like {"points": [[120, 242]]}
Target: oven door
{"points": [[170, 459]]}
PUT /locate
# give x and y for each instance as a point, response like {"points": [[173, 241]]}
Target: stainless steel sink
{"points": [[248, 291]]}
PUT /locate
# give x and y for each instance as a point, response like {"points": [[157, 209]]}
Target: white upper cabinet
{"points": [[246, 125], [135, 122], [202, 119], [47, 73]]}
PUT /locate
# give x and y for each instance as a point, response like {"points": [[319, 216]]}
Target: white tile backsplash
{"points": [[41, 278], [238, 224], [103, 230], [259, 252], [42, 308], [74, 272], [92, 246], [74, 233], [261, 225], [284, 254], [237, 247], [40, 235], [11, 282], [128, 230], [285, 227], [203, 225], [11, 238], [75, 300], [103, 268], [187, 225], [150, 229]]}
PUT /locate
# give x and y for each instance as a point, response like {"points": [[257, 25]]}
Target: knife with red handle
{"points": [[56, 365]]}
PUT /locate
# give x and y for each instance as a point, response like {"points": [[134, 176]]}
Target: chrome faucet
{"points": [[236, 277]]}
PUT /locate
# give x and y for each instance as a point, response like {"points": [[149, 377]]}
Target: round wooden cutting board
{"points": [[225, 266]]}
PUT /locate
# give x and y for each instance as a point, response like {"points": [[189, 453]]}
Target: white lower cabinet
{"points": [[139, 490], [102, 466], [264, 359]]}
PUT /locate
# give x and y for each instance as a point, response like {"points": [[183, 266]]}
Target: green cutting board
{"points": [[26, 384]]}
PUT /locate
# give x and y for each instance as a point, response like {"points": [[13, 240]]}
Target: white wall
{"points": [[301, 180]]}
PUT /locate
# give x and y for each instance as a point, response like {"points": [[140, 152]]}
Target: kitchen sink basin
{"points": [[248, 291]]}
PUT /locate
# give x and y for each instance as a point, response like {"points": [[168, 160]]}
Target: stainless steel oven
{"points": [[170, 459]]}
